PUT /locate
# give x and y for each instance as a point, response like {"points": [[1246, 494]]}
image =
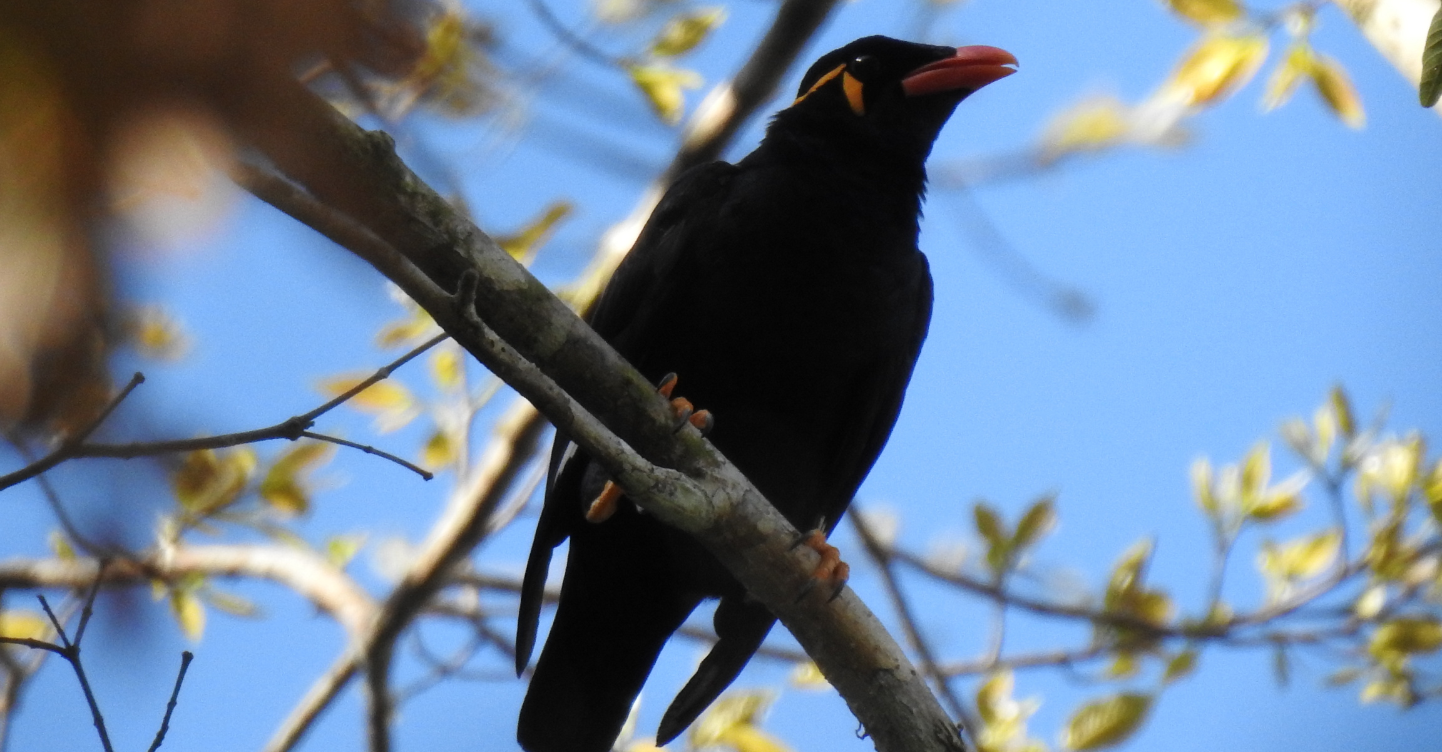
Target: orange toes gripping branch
{"points": [[682, 408], [831, 570], [605, 504]]}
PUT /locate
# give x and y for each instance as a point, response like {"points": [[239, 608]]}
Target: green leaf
{"points": [[1106, 722], [340, 549], [189, 612], [1207, 12], [1037, 521], [682, 33], [664, 89], [1180, 666], [1431, 88], [229, 603], [1412, 635]]}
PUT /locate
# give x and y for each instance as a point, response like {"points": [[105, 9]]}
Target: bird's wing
{"points": [[874, 403], [658, 261]]}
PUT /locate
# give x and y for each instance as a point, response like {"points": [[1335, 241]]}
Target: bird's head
{"points": [[896, 95]]}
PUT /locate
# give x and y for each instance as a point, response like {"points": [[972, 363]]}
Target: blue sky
{"points": [[1235, 281]]}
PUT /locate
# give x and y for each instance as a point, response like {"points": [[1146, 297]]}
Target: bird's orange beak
{"points": [[970, 68]]}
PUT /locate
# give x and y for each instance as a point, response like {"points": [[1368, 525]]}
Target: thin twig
{"points": [[185, 657], [67, 448], [570, 38], [290, 429], [71, 653], [368, 449]]}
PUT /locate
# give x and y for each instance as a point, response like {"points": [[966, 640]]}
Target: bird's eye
{"points": [[864, 67]]}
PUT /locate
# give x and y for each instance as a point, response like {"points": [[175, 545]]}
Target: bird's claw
{"points": [[684, 411], [831, 570], [605, 504]]}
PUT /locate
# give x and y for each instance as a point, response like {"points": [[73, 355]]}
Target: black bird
{"points": [[788, 293]]}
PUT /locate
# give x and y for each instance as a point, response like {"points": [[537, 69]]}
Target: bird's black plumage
{"points": [[788, 293]]}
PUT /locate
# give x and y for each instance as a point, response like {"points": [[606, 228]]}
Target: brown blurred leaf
{"points": [[1337, 92], [284, 485]]}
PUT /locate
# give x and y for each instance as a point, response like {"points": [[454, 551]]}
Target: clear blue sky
{"points": [[1235, 281]]}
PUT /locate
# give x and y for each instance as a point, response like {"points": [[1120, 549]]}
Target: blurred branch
{"points": [[302, 571], [1397, 29], [569, 38], [711, 128], [290, 429]]}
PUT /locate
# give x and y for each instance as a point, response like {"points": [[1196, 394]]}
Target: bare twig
{"points": [[67, 447], [570, 38], [185, 657], [368, 449], [289, 429]]}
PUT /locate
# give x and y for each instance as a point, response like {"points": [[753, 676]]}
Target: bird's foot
{"points": [[830, 571], [605, 504], [610, 497], [685, 411]]}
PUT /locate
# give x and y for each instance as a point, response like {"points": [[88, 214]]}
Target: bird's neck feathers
{"points": [[880, 175]]}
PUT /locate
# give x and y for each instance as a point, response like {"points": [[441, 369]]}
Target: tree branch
{"points": [[520, 330]]}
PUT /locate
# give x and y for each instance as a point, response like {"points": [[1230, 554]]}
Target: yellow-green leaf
{"points": [[390, 401], [1123, 666], [1370, 602], [1337, 91], [1296, 66], [155, 333], [735, 710], [807, 675], [340, 549], [1207, 12], [439, 451], [382, 396], [284, 486], [1037, 521], [23, 625], [1202, 486], [664, 87], [1215, 67], [1092, 124], [407, 331], [1279, 501], [1407, 636], [1256, 472], [189, 612], [447, 366], [988, 523], [686, 30], [229, 603], [207, 481], [1300, 559], [1342, 410], [523, 244], [1180, 666], [1106, 722], [61, 546], [1432, 489]]}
